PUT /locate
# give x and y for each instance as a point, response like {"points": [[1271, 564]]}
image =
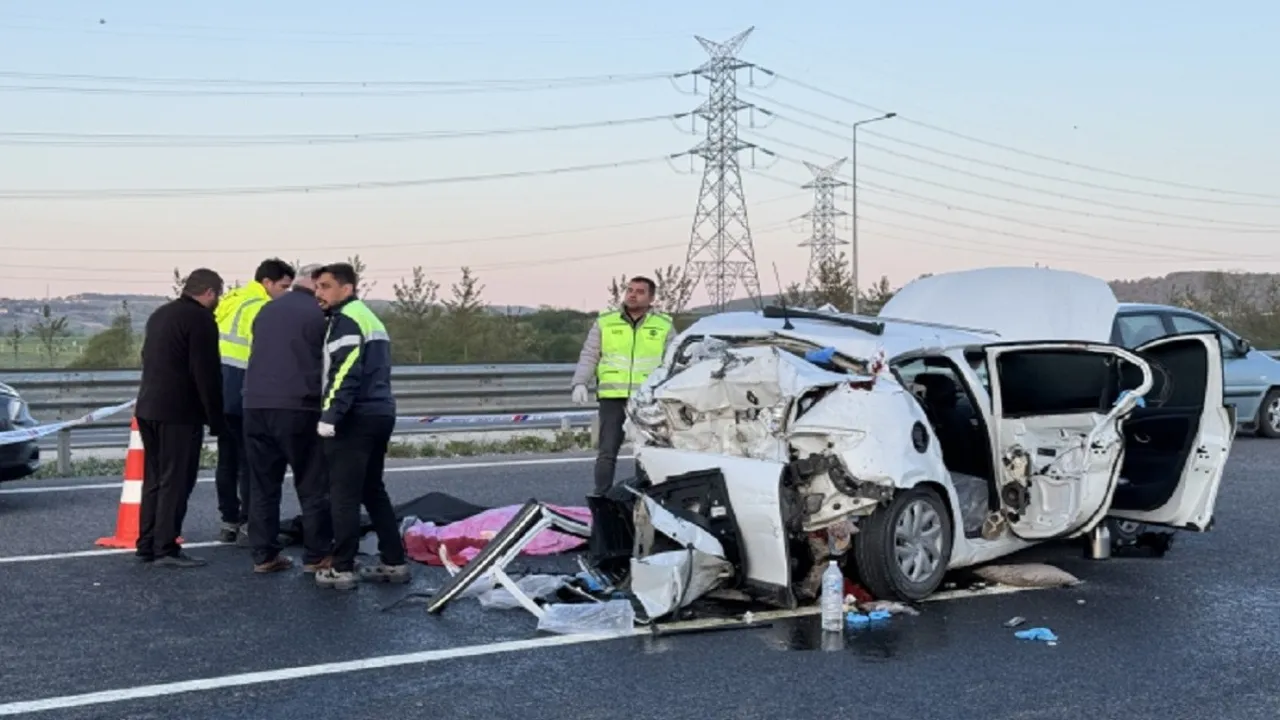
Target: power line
{"points": [[311, 248], [375, 275], [1243, 227], [1135, 252], [336, 84], [308, 93], [248, 140], [989, 163], [1028, 153], [105, 194], [99, 27]]}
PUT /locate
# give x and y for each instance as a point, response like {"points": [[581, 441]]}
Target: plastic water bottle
{"points": [[832, 598]]}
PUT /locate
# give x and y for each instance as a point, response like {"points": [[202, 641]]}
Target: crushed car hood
{"points": [[1018, 303], [729, 401]]}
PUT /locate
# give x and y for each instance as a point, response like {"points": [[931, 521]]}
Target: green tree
{"points": [[50, 330], [414, 317], [14, 338], [1245, 304], [366, 285], [112, 348], [179, 280], [874, 298], [465, 316]]}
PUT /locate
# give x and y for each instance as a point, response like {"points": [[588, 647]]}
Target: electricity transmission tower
{"points": [[720, 249], [823, 242]]}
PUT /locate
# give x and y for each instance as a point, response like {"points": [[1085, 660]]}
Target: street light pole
{"points": [[854, 247]]}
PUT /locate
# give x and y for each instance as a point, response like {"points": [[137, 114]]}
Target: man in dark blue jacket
{"points": [[282, 387], [357, 417]]}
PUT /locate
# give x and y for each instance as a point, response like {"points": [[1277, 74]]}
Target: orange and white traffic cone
{"points": [[130, 513]]}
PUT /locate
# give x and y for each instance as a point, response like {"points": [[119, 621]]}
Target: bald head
{"points": [[304, 280]]}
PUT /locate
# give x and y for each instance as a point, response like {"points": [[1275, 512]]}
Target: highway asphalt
{"points": [[1190, 635]]}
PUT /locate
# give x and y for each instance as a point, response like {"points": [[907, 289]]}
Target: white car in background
{"points": [[982, 412]]}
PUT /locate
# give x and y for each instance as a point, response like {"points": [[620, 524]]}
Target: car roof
{"points": [[1155, 307], [899, 336]]}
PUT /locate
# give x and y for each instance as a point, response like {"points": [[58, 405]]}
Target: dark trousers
{"points": [[232, 476], [274, 439], [613, 411], [171, 462], [356, 455]]}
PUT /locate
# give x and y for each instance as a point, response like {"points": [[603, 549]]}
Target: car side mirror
{"points": [[1242, 346]]}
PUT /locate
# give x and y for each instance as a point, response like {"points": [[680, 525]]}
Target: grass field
{"points": [[30, 354]]}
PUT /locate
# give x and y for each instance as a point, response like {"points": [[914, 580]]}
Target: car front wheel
{"points": [[903, 550], [1269, 415]]}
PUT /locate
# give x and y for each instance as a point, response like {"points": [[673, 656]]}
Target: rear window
{"points": [[1058, 382]]}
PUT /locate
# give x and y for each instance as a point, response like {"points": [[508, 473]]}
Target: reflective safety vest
{"points": [[235, 314], [628, 353]]}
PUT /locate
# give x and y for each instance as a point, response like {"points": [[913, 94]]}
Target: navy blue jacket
{"points": [[287, 357], [358, 364]]}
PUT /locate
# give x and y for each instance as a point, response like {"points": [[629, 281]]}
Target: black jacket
{"points": [[287, 358], [358, 382], [181, 367]]}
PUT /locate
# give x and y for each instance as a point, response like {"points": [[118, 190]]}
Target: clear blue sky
{"points": [[1174, 92]]}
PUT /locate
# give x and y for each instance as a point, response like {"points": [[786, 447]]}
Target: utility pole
{"points": [[822, 243], [857, 289], [720, 249]]}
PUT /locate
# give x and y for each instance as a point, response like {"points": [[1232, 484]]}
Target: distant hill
{"points": [[90, 313]]}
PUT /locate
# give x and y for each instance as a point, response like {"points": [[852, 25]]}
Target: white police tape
{"points": [[11, 437], [579, 416]]}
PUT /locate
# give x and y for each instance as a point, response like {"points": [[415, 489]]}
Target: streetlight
{"points": [[854, 252]]}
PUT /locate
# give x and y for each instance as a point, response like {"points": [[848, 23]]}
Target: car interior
{"points": [[960, 431], [1159, 437]]}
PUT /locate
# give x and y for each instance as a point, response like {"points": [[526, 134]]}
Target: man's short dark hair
{"points": [[653, 287], [342, 272], [274, 270], [201, 281]]}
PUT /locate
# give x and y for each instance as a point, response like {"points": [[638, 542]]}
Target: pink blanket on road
{"points": [[465, 539]]}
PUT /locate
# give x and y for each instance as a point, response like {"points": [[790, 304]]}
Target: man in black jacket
{"points": [[357, 416], [180, 392], [281, 410]]}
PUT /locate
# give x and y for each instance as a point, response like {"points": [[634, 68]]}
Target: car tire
{"points": [[916, 518], [1269, 415]]}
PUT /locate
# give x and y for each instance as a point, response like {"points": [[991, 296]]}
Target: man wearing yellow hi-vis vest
{"points": [[622, 348], [235, 314]]}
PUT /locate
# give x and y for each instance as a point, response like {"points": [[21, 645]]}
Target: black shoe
{"points": [[181, 560], [144, 557]]}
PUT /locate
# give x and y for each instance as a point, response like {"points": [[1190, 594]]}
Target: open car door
{"points": [[1177, 445], [1057, 411]]}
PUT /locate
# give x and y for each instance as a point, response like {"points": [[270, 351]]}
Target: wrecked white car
{"points": [[984, 411]]}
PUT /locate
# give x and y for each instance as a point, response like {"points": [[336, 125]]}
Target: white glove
{"points": [[325, 429], [580, 394]]}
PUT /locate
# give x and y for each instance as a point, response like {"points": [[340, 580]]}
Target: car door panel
{"points": [[1058, 410], [1176, 449]]}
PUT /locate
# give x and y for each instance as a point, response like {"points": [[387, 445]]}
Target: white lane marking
{"points": [[294, 673], [94, 553], [143, 692], [399, 469]]}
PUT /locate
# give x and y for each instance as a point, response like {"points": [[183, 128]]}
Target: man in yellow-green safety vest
{"points": [[235, 314], [622, 348]]}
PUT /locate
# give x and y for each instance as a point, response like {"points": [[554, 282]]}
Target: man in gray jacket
{"points": [[281, 409]]}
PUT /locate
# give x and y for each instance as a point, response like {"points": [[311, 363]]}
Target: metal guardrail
{"points": [[54, 395]]}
